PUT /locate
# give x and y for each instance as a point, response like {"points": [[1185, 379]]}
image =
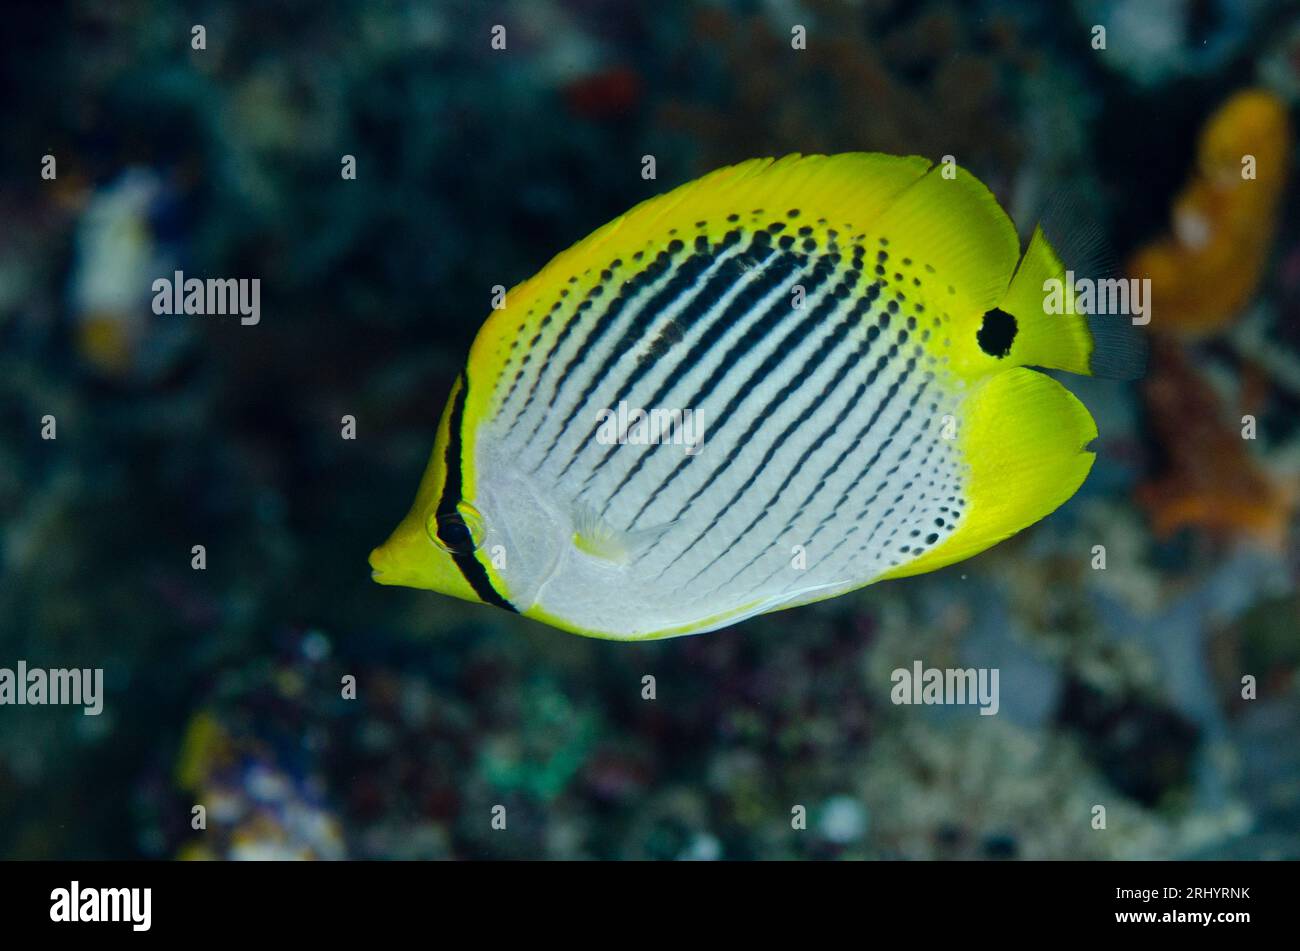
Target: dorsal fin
{"points": [[950, 218], [852, 188]]}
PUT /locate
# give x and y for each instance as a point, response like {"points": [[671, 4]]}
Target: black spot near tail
{"points": [[997, 333]]}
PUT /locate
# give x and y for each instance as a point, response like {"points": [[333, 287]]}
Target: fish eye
{"points": [[457, 531]]}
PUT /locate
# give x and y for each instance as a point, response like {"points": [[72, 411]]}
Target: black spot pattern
{"points": [[997, 333]]}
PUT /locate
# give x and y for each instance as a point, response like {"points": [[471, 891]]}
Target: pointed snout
{"points": [[377, 559], [411, 559], [400, 559]]}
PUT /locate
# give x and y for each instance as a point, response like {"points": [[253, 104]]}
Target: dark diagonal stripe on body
{"points": [[780, 268], [474, 572], [775, 314], [798, 378], [658, 268], [685, 277]]}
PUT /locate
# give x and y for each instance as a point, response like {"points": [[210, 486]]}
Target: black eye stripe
{"points": [[997, 333], [454, 532], [469, 566]]}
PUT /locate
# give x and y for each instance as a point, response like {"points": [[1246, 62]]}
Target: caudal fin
{"points": [[1025, 438], [1046, 297]]}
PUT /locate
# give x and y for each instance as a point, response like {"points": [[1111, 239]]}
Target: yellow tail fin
{"points": [[1042, 298]]}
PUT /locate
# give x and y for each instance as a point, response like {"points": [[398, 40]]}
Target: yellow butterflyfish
{"points": [[778, 383]]}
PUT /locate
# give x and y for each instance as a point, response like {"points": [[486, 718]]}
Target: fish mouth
{"points": [[376, 560]]}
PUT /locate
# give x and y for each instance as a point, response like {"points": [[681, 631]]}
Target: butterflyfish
{"points": [[773, 385]]}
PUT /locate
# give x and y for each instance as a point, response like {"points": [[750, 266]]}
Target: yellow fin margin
{"points": [[1023, 436], [951, 220]]}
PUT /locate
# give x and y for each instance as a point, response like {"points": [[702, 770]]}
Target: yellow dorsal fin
{"points": [[851, 189], [949, 219], [1024, 437]]}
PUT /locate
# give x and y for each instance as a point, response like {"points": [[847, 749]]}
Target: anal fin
{"points": [[1023, 436]]}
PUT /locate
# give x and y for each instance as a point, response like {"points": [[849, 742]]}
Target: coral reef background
{"points": [[1119, 686]]}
